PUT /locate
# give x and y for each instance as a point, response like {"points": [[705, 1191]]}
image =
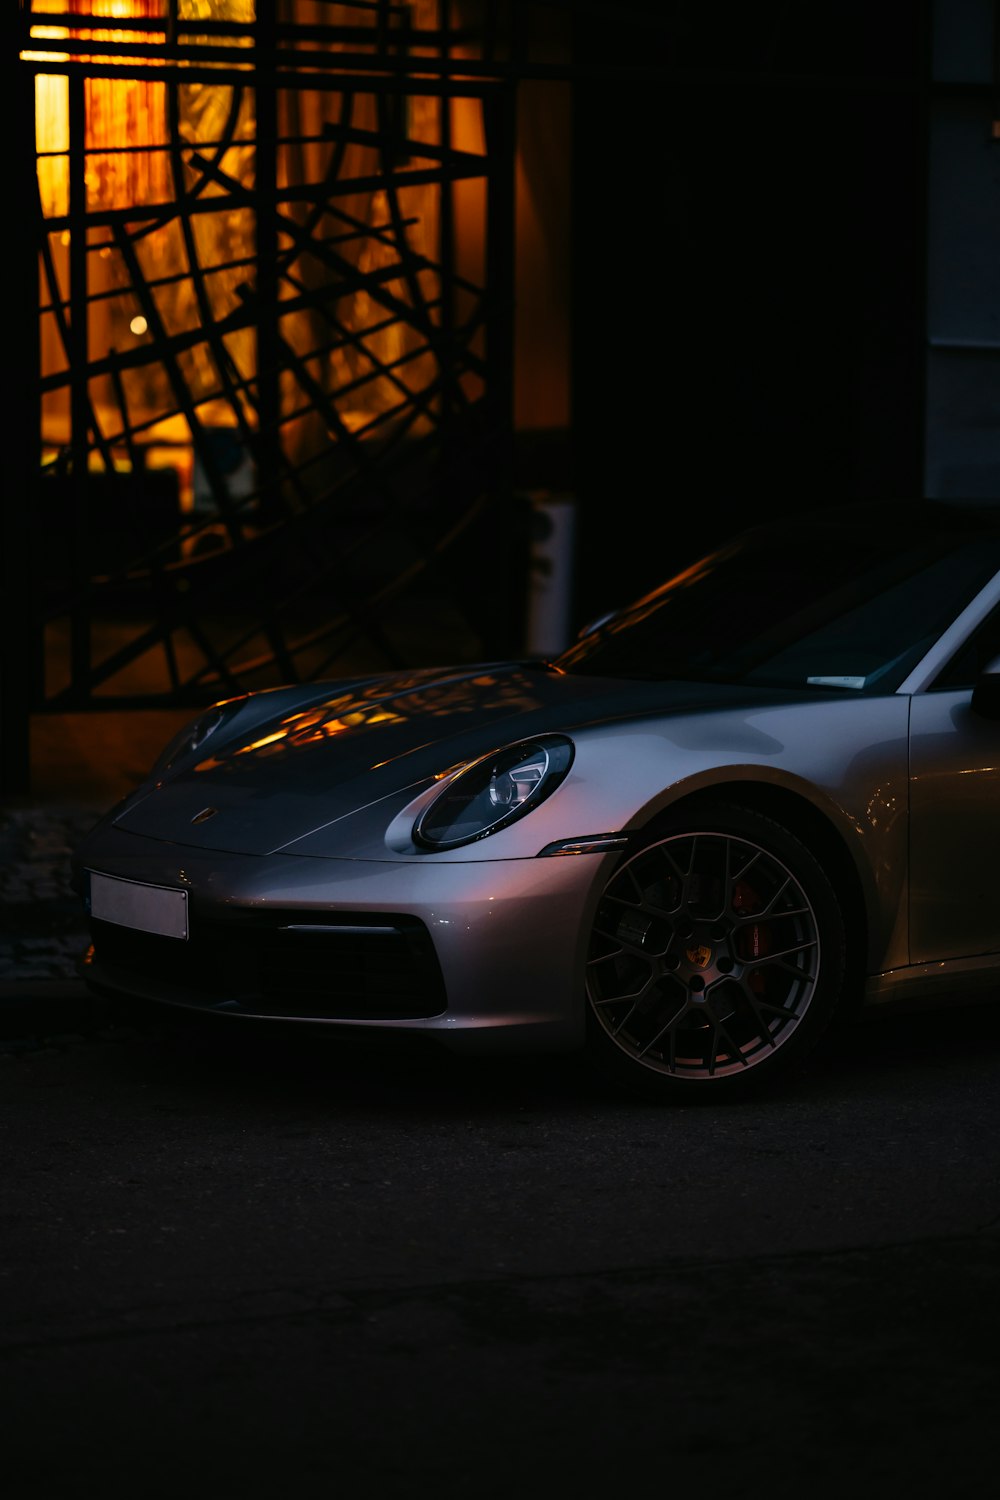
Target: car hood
{"points": [[260, 784]]}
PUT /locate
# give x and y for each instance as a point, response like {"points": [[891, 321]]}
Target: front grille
{"points": [[345, 966]]}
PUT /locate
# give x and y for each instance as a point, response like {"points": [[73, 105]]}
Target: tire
{"points": [[717, 957]]}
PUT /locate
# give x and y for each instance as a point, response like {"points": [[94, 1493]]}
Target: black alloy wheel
{"points": [[717, 956]]}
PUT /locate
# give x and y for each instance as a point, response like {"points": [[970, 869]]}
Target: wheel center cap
{"points": [[699, 955]]}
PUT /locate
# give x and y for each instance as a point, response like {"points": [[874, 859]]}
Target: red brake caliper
{"points": [[754, 941]]}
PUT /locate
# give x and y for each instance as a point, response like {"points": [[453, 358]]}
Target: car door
{"points": [[955, 812]]}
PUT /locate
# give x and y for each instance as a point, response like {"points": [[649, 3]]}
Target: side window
{"points": [[967, 663]]}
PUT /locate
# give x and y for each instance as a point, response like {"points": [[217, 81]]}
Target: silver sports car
{"points": [[766, 790]]}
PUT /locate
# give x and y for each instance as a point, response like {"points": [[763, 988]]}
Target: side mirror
{"points": [[986, 693]]}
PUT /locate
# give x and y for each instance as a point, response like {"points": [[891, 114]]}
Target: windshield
{"points": [[825, 603]]}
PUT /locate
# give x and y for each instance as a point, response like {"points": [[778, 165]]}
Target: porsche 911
{"points": [[764, 794]]}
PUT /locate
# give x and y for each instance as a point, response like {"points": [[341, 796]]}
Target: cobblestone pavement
{"points": [[42, 924]]}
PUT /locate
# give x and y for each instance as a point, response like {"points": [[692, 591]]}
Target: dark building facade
{"points": [[805, 240]]}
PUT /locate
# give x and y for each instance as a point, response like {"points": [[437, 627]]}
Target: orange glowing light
{"points": [[121, 112], [128, 161], [268, 739], [305, 721], [320, 733]]}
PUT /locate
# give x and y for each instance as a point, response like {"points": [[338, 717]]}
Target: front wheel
{"points": [[716, 958]]}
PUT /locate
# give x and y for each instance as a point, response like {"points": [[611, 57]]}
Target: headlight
{"points": [[494, 791], [194, 735]]}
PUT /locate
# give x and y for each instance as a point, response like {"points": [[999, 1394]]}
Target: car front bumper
{"points": [[509, 937]]}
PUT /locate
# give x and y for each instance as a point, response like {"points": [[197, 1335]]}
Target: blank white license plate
{"points": [[147, 908]]}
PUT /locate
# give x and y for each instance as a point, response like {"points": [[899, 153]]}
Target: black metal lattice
{"points": [[273, 331]]}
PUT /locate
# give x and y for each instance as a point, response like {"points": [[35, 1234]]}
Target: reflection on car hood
{"points": [[321, 758]]}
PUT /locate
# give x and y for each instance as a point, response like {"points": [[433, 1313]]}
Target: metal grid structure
{"points": [[266, 384]]}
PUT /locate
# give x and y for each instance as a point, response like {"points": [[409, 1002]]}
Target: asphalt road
{"points": [[244, 1264]]}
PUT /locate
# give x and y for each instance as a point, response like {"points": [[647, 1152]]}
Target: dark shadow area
{"points": [[748, 277], [245, 1062]]}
